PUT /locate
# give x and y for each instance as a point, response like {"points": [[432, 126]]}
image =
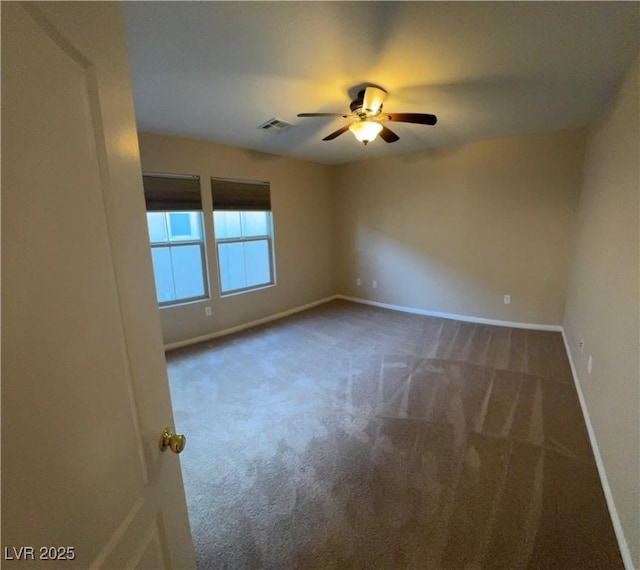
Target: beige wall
{"points": [[449, 230], [603, 304], [453, 230], [303, 238]]}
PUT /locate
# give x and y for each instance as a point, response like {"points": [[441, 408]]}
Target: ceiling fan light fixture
{"points": [[367, 119], [366, 131]]}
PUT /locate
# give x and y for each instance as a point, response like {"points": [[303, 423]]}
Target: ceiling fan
{"points": [[367, 115]]}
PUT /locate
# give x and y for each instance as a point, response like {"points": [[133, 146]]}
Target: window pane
{"points": [[184, 226], [179, 269], [156, 222], [162, 272], [257, 262], [226, 224], [231, 261], [246, 262], [255, 224], [187, 271]]}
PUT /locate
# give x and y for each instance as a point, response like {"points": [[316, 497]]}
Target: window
{"points": [[174, 219], [243, 229], [177, 252], [244, 244]]}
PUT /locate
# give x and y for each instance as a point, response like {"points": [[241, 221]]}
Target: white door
{"points": [[84, 387]]}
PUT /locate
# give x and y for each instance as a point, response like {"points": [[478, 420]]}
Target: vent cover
{"points": [[275, 125]]}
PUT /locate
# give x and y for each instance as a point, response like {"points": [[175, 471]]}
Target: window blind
{"points": [[240, 195], [171, 192]]}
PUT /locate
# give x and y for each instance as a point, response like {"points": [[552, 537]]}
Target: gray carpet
{"points": [[351, 437]]}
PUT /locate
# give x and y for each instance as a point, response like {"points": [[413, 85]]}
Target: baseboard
{"points": [[453, 316], [248, 325], [613, 512], [400, 308]]}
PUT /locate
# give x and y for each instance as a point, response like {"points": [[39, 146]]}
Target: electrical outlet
{"points": [[358, 281], [374, 284], [207, 311], [507, 299], [581, 345], [590, 364]]}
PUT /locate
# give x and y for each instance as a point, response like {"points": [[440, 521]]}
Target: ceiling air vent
{"points": [[275, 125]]}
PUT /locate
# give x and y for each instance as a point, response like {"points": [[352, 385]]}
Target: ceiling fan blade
{"points": [[419, 118], [373, 99], [323, 115], [337, 133], [387, 135]]}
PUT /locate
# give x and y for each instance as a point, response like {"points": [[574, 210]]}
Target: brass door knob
{"points": [[174, 441]]}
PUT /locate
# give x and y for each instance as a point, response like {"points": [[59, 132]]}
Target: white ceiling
{"points": [[217, 70]]}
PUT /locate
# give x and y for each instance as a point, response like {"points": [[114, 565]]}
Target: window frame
{"points": [[241, 239], [168, 244]]}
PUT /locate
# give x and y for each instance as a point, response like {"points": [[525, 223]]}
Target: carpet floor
{"points": [[352, 437]]}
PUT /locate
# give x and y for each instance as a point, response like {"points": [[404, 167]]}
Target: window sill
{"points": [[185, 303], [243, 291]]}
